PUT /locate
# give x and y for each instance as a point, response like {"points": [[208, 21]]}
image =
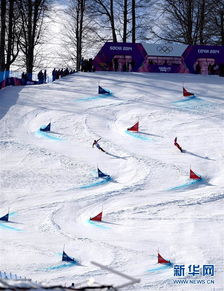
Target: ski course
{"points": [[135, 201]]}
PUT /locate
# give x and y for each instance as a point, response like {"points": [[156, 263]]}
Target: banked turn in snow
{"points": [[43, 179]]}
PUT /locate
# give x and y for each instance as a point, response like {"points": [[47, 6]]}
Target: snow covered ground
{"points": [[49, 181]]}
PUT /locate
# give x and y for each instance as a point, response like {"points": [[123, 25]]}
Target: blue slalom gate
{"points": [[104, 91]]}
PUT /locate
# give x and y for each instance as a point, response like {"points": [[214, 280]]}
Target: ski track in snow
{"points": [[50, 180]]}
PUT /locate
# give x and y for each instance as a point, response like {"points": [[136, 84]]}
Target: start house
{"points": [[161, 58]]}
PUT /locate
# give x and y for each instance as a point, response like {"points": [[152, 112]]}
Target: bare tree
{"points": [[9, 35], [2, 37], [80, 9], [111, 17], [201, 20], [221, 25], [79, 33], [128, 19], [125, 20], [103, 12], [217, 23], [133, 8], [177, 17], [187, 21], [32, 15], [142, 17], [13, 34]]}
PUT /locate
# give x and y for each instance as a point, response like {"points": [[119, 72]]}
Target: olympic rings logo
{"points": [[165, 49]]}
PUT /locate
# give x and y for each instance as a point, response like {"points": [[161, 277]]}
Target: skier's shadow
{"points": [[54, 132], [150, 134], [11, 222], [201, 157], [107, 222], [115, 156]]}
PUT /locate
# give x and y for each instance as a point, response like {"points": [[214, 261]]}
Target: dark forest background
{"points": [[87, 24]]}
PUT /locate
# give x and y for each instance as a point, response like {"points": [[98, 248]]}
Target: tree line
{"points": [[20, 32], [90, 23]]}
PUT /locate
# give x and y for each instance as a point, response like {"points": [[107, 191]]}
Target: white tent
{"points": [[164, 50]]}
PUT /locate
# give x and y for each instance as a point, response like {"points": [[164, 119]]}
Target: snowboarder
{"points": [[177, 144], [95, 143]]}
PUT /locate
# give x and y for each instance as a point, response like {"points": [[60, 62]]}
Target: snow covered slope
{"points": [[49, 180]]}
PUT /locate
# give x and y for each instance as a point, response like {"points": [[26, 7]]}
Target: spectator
{"points": [[53, 75], [216, 69], [198, 69], [40, 77], [24, 78], [82, 64], [45, 76], [210, 69], [221, 70], [90, 65], [115, 64], [132, 64]]}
